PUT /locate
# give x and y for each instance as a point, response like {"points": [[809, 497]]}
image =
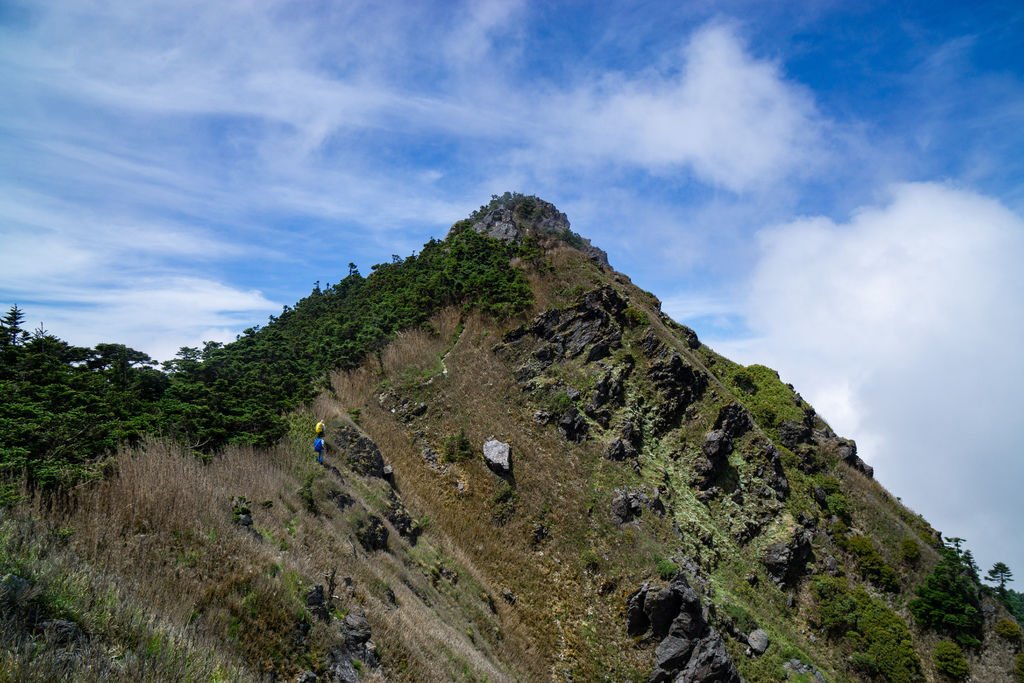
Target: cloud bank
{"points": [[902, 326]]}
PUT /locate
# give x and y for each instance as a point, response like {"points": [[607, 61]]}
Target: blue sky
{"points": [[833, 189]]}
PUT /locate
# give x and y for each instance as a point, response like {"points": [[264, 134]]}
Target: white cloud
{"points": [[154, 315], [733, 120], [902, 326]]}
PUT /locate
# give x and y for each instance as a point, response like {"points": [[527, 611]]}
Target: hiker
{"points": [[319, 446], [320, 427]]}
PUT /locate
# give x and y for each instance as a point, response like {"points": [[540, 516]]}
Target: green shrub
{"points": [[910, 552], [871, 565], [878, 639], [740, 617], [504, 503], [666, 568], [457, 448], [1018, 668], [838, 505], [590, 560], [950, 660], [635, 317], [1009, 629]]}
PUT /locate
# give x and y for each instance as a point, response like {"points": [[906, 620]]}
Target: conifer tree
{"points": [[999, 574]]}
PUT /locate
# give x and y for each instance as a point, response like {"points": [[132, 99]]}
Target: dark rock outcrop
{"points": [[786, 561], [316, 602], [689, 649], [792, 434], [355, 645], [360, 452], [609, 392], [716, 449], [372, 534], [734, 420], [771, 470], [679, 383], [637, 621], [628, 504], [846, 449], [572, 425], [401, 520]]}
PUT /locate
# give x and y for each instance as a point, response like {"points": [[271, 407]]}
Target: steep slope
{"points": [[663, 513]]}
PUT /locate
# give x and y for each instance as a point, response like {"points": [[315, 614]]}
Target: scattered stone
{"points": [[798, 668], [498, 456], [317, 603], [306, 677], [508, 596], [12, 589], [340, 499], [627, 505], [357, 629], [572, 425], [542, 417], [61, 631]]}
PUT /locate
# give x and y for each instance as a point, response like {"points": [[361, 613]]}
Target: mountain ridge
{"points": [[665, 514]]}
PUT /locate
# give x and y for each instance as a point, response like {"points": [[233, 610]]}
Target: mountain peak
{"points": [[514, 217]]}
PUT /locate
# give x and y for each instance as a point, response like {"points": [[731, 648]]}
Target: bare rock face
{"points": [[680, 385], [734, 420], [512, 218]]}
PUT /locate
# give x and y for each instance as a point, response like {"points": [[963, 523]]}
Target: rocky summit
{"points": [[532, 473]]}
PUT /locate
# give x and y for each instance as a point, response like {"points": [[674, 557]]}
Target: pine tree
{"points": [[1001, 575]]}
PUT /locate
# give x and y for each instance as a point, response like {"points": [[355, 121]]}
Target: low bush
{"points": [[878, 639], [457, 448], [950, 660], [1010, 630], [871, 565]]}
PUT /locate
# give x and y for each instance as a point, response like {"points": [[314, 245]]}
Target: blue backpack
{"points": [[318, 445]]}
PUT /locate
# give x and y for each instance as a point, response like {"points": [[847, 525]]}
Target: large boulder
{"points": [[498, 456], [758, 641]]}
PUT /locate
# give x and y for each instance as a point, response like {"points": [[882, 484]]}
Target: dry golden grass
{"points": [[163, 525]]}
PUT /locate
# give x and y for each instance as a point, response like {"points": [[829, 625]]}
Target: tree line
{"points": [[64, 407]]}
